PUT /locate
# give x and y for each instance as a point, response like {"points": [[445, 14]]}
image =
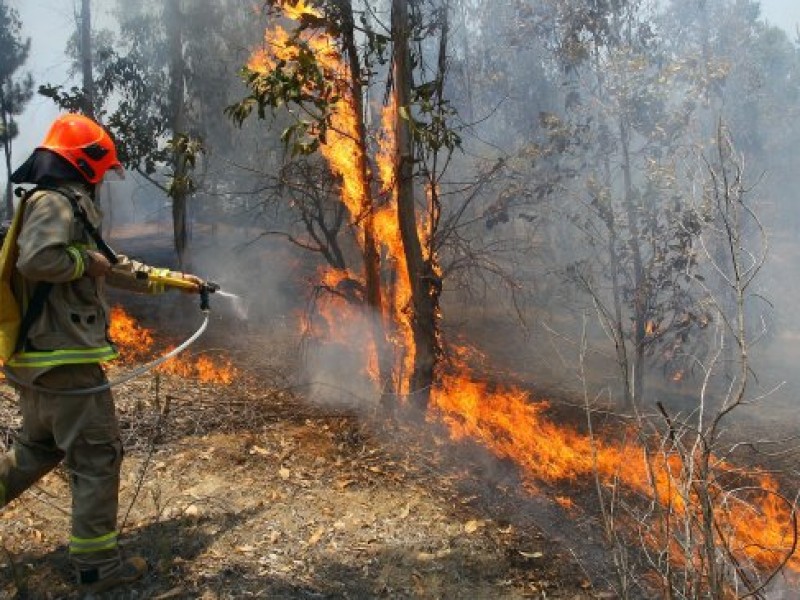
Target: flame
{"points": [[388, 232], [133, 341], [136, 343], [341, 147], [344, 151], [299, 10], [756, 522], [650, 328], [565, 502], [344, 319], [506, 421], [204, 369]]}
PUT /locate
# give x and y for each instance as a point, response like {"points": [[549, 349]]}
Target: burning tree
{"points": [[319, 66], [322, 68]]}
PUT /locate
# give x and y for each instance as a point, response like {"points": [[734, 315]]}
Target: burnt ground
{"points": [[249, 491], [252, 490]]}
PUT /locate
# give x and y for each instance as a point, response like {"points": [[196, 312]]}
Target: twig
{"points": [[671, 426], [162, 417]]}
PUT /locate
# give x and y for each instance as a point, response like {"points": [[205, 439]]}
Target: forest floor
{"points": [[253, 489], [248, 490]]}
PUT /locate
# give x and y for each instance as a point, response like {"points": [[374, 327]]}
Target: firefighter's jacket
{"points": [[73, 325]]}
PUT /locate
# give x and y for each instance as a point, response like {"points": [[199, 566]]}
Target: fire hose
{"points": [[206, 289]]}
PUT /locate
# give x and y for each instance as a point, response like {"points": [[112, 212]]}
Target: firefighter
{"points": [[66, 344]]}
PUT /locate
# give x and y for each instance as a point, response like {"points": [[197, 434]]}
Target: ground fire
{"points": [[512, 426], [757, 524], [507, 301], [136, 343]]}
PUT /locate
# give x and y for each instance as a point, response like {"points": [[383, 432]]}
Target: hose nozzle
{"points": [[206, 289], [175, 281]]}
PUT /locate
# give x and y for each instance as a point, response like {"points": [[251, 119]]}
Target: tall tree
{"points": [[319, 70], [640, 133], [612, 159], [180, 189], [15, 89], [422, 266], [159, 85], [87, 71]]}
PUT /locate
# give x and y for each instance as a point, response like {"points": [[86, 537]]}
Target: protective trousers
{"points": [[82, 430]]}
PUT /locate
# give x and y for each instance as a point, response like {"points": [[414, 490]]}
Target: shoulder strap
{"points": [[80, 214], [33, 312], [34, 309]]}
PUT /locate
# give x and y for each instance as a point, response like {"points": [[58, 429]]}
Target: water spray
{"points": [[239, 306]]}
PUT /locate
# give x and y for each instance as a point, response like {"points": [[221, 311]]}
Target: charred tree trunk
{"points": [[179, 191], [371, 255], [419, 270], [86, 58]]}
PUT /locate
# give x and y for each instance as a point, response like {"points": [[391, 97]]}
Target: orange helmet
{"points": [[85, 144]]}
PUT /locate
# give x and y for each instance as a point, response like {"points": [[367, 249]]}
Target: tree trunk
{"points": [[423, 308], [640, 291], [86, 58], [179, 188], [9, 202], [620, 344], [9, 185], [370, 254], [469, 116]]}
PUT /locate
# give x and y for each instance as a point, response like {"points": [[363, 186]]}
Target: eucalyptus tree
{"points": [[756, 67], [605, 174], [638, 190], [16, 88], [160, 85], [87, 70], [385, 56]]}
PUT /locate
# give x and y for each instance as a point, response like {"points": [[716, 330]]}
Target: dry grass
{"points": [[247, 491]]}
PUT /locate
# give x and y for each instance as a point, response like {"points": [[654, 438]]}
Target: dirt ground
{"points": [[251, 490], [247, 490]]}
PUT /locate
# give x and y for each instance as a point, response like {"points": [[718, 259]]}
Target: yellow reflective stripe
{"points": [[77, 257], [73, 539], [85, 545], [55, 358]]}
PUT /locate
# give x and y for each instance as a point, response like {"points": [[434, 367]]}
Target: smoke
{"points": [[784, 587], [334, 366], [240, 308], [542, 246]]}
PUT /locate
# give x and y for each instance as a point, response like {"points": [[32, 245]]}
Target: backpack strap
{"points": [[40, 293], [80, 215], [33, 312]]}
